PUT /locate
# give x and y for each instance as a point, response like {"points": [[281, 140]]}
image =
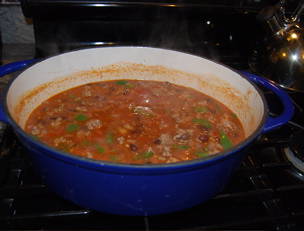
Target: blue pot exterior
{"points": [[132, 191], [143, 189]]}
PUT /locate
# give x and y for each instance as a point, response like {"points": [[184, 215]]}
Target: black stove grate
{"points": [[265, 193]]}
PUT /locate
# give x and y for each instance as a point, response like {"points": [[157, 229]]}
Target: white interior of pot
{"points": [[68, 70]]}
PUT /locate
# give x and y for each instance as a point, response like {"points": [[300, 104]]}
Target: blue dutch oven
{"points": [[137, 189]]}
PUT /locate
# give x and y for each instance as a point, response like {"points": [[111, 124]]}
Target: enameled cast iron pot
{"points": [[137, 189]]}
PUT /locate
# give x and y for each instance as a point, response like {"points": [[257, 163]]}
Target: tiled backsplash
{"points": [[9, 2], [13, 25]]}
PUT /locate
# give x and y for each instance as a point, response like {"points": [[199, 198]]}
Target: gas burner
{"points": [[295, 151]]}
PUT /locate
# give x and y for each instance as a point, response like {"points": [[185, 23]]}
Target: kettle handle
{"points": [[286, 115], [298, 11]]}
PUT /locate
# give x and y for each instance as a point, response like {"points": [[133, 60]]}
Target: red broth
{"points": [[135, 122]]}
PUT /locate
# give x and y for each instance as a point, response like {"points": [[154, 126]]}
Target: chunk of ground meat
{"points": [[214, 146], [93, 124], [203, 137], [38, 130], [56, 121], [58, 109], [35, 131], [83, 133], [87, 91], [226, 125], [63, 141], [143, 111], [182, 136], [166, 151], [81, 108], [172, 160], [165, 139], [121, 139]]}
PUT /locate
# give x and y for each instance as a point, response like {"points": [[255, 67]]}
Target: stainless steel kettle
{"points": [[280, 56]]}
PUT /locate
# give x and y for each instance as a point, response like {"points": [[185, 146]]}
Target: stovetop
{"points": [[265, 193]]}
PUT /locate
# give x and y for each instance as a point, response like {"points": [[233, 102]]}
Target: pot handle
{"points": [[7, 69], [3, 117], [286, 115], [16, 66]]}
